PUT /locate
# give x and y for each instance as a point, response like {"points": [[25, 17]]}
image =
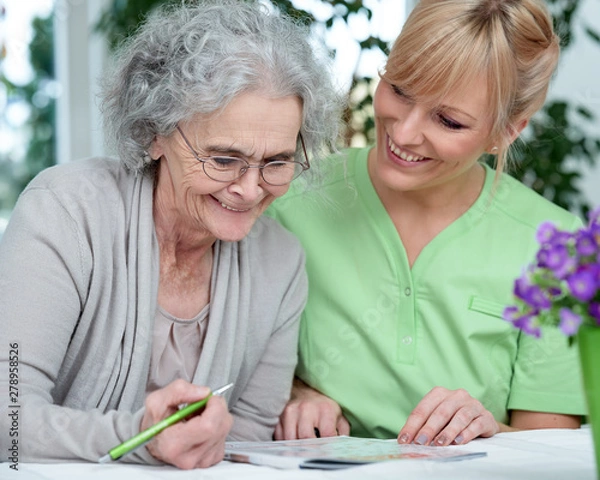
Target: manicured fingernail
{"points": [[458, 440], [403, 438], [441, 441], [421, 439]]}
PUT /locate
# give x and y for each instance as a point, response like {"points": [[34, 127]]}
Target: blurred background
{"points": [[52, 53]]}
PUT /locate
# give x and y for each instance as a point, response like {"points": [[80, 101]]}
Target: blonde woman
{"points": [[412, 258]]}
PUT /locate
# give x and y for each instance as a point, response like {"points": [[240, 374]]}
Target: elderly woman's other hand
{"points": [[198, 442], [445, 417], [309, 414]]}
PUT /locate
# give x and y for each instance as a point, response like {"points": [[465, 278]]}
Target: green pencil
{"points": [[145, 436]]}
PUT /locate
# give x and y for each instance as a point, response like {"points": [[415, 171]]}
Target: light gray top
{"points": [[79, 274]]}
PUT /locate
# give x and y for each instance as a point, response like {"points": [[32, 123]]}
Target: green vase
{"points": [[588, 339]]}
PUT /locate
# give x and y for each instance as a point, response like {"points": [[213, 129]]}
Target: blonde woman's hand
{"points": [[444, 417], [309, 414]]}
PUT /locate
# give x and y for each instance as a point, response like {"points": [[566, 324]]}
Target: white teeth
{"points": [[232, 209], [403, 155]]}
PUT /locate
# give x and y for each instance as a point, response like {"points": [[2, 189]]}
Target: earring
{"points": [[146, 158], [494, 149]]}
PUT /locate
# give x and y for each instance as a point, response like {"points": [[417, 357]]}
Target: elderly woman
{"points": [[130, 287]]}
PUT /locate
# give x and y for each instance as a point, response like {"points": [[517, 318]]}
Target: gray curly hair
{"points": [[196, 57]]}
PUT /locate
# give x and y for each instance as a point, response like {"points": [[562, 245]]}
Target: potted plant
{"points": [[561, 289]]}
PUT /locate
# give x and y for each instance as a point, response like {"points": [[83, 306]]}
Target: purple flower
{"points": [[522, 284], [562, 238], [525, 322], [582, 284], [545, 232], [510, 313], [553, 256], [594, 269], [569, 321], [594, 224], [538, 298], [594, 217], [566, 268], [528, 324], [585, 243], [562, 286], [532, 295], [594, 311]]}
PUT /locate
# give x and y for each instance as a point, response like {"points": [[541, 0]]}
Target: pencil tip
{"points": [[223, 389], [105, 459]]}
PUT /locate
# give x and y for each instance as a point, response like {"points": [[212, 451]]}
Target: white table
{"points": [[529, 455]]}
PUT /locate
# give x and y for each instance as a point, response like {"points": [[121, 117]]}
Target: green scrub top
{"points": [[376, 335]]}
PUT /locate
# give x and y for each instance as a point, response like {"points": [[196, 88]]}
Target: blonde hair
{"points": [[446, 43]]}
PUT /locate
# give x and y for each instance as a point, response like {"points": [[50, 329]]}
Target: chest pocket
{"points": [[489, 307]]}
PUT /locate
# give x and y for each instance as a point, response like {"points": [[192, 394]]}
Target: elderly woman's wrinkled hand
{"points": [[310, 414], [444, 417], [197, 442]]}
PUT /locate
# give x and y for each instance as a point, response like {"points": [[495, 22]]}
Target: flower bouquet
{"points": [[561, 288]]}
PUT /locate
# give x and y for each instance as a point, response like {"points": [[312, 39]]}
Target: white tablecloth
{"points": [[528, 455]]}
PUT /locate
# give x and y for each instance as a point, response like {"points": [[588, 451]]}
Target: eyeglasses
{"points": [[228, 169]]}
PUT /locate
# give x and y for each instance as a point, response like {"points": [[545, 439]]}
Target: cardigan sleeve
{"points": [[257, 411], [45, 266]]}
